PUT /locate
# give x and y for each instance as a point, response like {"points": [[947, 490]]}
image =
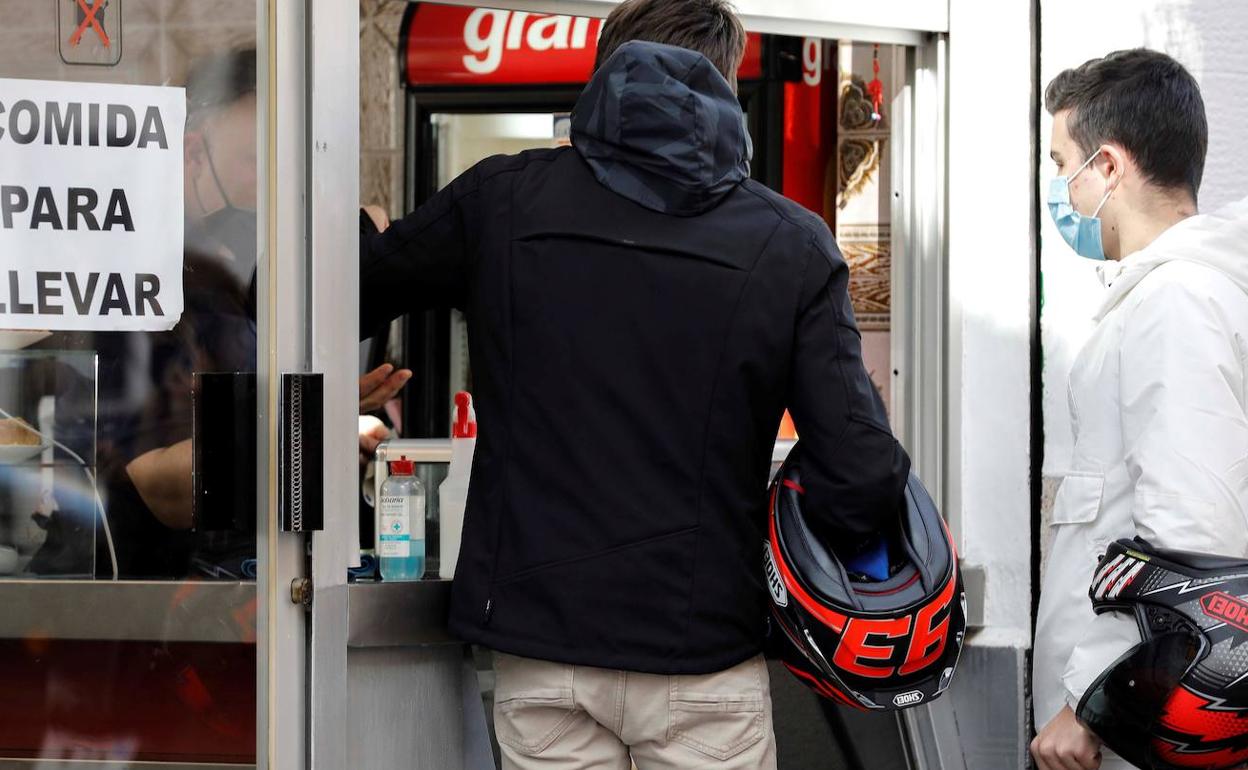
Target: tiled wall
{"points": [[381, 105]]}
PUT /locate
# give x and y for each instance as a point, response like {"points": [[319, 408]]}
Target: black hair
{"points": [[710, 27], [219, 80], [1144, 101]]}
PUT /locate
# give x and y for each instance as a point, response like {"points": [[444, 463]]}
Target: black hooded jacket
{"points": [[640, 313]]}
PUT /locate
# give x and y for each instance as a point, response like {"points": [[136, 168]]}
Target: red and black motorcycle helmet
{"points": [[1179, 699], [870, 644]]}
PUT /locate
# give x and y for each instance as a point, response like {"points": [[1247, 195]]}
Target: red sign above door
{"points": [[456, 45]]}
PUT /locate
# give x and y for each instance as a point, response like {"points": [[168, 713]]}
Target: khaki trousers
{"points": [[555, 716]]}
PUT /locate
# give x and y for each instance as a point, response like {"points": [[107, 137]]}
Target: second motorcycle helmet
{"points": [[1179, 699]]}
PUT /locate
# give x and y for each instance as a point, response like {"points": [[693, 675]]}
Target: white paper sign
{"points": [[90, 206]]}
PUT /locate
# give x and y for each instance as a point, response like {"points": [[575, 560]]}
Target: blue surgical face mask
{"points": [[1082, 233]]}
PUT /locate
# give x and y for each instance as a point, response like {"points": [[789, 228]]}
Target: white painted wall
{"points": [[1208, 37], [989, 202]]}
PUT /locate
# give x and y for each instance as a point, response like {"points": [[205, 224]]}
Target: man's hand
{"points": [[1065, 744], [372, 433], [381, 220], [380, 385]]}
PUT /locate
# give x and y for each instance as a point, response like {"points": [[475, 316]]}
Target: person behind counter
{"points": [[221, 189], [145, 445], [145, 379], [640, 314]]}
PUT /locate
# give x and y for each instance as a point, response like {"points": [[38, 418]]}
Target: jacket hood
{"points": [[660, 126], [1218, 240]]}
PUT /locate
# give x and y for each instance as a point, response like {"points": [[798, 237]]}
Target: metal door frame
{"points": [[920, 328], [920, 268], [333, 193], [280, 658], [308, 321]]}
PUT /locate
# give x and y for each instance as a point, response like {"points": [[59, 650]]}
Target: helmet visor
{"points": [[1124, 704]]}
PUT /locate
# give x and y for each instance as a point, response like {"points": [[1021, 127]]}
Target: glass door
{"points": [[154, 297]]}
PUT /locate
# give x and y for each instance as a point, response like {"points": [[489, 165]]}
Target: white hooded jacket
{"points": [[1159, 402]]}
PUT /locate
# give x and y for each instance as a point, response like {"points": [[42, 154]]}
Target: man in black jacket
{"points": [[640, 314]]}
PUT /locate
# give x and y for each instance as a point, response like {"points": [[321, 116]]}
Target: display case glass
{"points": [[51, 510]]}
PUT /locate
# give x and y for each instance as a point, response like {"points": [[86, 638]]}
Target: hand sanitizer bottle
{"points": [[402, 533], [453, 492]]}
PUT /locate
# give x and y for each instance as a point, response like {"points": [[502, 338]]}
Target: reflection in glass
{"points": [[142, 442], [49, 500]]}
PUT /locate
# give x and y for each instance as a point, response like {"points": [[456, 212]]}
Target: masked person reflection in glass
{"points": [[217, 332], [220, 163], [144, 416]]}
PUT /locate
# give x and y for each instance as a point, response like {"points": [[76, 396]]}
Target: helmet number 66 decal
{"points": [[869, 646]]}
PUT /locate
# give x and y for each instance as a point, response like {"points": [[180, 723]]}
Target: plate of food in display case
{"points": [[19, 442], [16, 339]]}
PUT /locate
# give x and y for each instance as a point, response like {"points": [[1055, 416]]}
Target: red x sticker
{"points": [[89, 20], [90, 32]]}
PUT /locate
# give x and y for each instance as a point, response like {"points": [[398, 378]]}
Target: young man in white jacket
{"points": [[1158, 392]]}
